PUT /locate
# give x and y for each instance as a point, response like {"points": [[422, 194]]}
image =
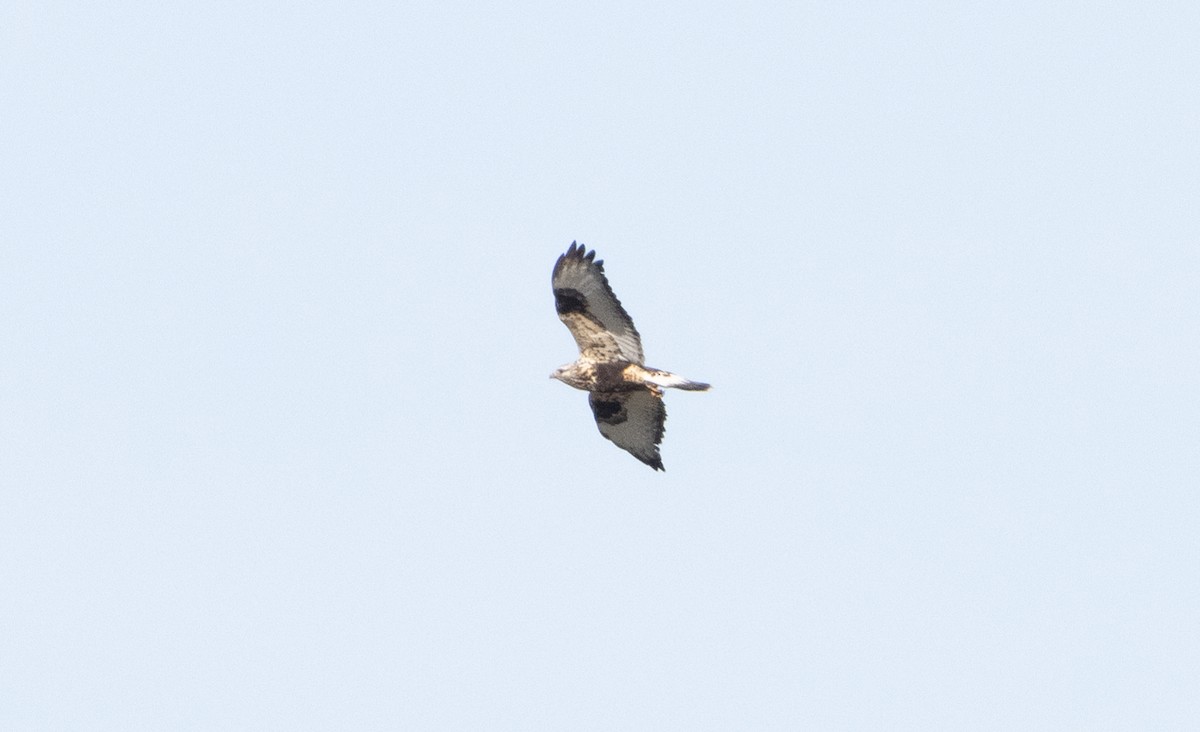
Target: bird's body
{"points": [[622, 376], [625, 395]]}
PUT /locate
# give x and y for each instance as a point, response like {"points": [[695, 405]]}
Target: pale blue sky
{"points": [[278, 449]]}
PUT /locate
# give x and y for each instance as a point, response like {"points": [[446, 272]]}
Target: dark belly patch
{"points": [[610, 376]]}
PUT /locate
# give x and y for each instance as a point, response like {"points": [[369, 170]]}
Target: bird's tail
{"points": [[668, 380]]}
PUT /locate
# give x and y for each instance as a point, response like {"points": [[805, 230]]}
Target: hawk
{"points": [[626, 397]]}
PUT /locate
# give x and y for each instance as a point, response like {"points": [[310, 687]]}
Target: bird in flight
{"points": [[625, 395]]}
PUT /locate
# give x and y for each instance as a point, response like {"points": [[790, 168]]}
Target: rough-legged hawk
{"points": [[626, 396]]}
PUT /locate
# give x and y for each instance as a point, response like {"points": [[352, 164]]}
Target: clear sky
{"points": [[278, 446]]}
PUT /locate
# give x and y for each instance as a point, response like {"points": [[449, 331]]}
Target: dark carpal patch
{"points": [[567, 300], [609, 412]]}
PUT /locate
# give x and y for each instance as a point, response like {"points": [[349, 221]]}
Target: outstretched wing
{"points": [[633, 420], [585, 302]]}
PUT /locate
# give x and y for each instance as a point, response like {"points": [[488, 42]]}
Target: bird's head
{"points": [[564, 373]]}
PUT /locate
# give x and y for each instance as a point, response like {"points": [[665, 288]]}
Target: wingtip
{"points": [[581, 252]]}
